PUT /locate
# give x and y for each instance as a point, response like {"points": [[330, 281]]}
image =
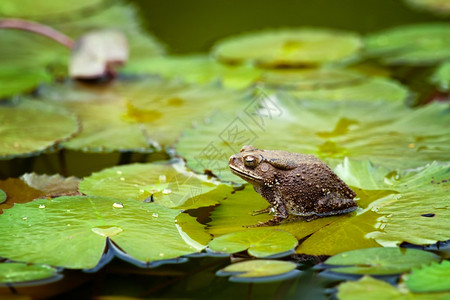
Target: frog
{"points": [[297, 186]]}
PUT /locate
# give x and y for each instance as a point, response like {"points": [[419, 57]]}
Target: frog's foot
{"points": [[272, 222], [262, 211]]}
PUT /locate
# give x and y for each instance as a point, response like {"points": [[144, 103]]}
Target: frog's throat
{"points": [[245, 176]]}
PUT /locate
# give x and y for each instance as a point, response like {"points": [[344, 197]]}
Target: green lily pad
{"points": [[19, 272], [260, 242], [21, 80], [31, 127], [407, 214], [71, 231], [310, 79], [259, 270], [417, 44], [441, 78], [168, 185], [388, 134], [432, 278], [439, 7], [386, 90], [166, 109], [289, 47], [379, 261], [373, 289], [200, 69]]}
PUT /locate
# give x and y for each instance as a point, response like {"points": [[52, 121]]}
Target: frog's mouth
{"points": [[245, 176]]}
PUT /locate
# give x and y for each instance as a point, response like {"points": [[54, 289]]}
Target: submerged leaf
{"points": [[259, 270], [19, 272], [379, 261], [17, 191], [387, 134], [31, 127], [2, 196], [289, 47], [168, 185], [260, 242], [200, 69], [417, 44], [71, 231], [432, 278], [54, 185]]}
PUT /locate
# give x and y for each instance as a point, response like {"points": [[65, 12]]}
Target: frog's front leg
{"points": [[262, 211], [281, 212]]}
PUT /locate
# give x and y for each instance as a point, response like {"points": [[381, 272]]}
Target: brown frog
{"points": [[293, 183]]}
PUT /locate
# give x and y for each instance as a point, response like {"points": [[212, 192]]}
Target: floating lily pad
{"points": [[166, 184], [71, 231], [432, 278], [371, 288], [289, 47], [388, 134], [439, 7], [310, 79], [441, 77], [379, 261], [371, 89], [31, 127], [167, 108], [407, 214], [260, 242], [199, 69], [19, 273], [16, 80], [418, 44], [259, 270]]}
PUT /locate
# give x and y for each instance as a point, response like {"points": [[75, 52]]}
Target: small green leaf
{"points": [[260, 242], [168, 185], [417, 44], [379, 261], [432, 278], [289, 47], [19, 272], [259, 270], [71, 231], [31, 127], [200, 69]]}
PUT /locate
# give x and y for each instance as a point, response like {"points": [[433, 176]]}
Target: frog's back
{"points": [[317, 190]]}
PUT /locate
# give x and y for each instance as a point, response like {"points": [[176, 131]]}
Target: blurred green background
{"points": [[193, 26]]}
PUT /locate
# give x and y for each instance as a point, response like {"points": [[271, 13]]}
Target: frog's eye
{"points": [[250, 161]]}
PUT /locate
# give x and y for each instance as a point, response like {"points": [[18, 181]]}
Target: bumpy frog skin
{"points": [[293, 184]]}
